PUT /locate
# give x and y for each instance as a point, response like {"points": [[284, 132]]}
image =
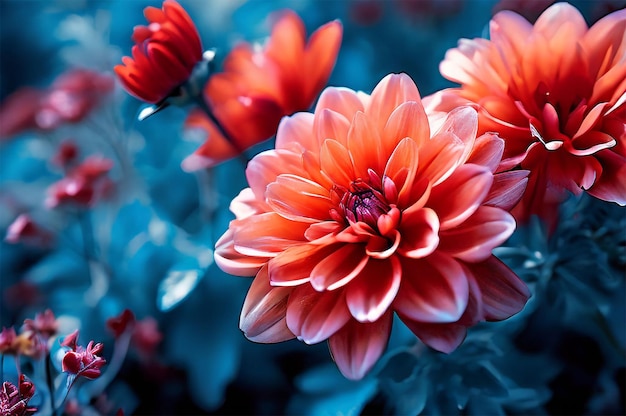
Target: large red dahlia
{"points": [[360, 212]]}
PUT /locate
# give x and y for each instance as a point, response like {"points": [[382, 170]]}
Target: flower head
{"points": [[44, 324], [82, 361], [14, 399], [556, 93], [24, 230], [359, 213], [119, 324], [164, 55], [70, 98], [259, 86], [84, 185]]}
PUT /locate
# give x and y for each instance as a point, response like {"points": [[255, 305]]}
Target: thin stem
{"points": [[48, 364]]}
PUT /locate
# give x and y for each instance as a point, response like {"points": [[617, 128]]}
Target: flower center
{"points": [[363, 203]]}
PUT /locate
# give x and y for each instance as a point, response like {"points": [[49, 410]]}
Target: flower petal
{"points": [[294, 265], [441, 337], [339, 267], [233, 262], [264, 310], [314, 316], [358, 346], [420, 231], [473, 240], [455, 199], [503, 293], [266, 234], [298, 198], [433, 290], [371, 293]]}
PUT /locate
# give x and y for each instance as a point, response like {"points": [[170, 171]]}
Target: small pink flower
{"points": [[8, 341], [44, 324], [84, 185], [71, 97], [25, 230], [82, 361], [14, 400]]}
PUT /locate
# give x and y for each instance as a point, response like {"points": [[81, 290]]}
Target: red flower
{"points": [[164, 56], [24, 230], [66, 154], [8, 341], [81, 361], [44, 324], [119, 324], [14, 399], [84, 185], [359, 213], [258, 87], [70, 98], [556, 93]]}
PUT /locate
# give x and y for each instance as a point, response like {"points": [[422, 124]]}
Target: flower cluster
{"points": [[14, 399], [447, 248], [69, 99]]}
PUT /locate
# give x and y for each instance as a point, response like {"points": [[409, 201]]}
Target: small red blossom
{"points": [[8, 341], [14, 399], [119, 324], [24, 230], [259, 86], [44, 324], [164, 55], [66, 154], [82, 361], [146, 336], [555, 92], [26, 343], [69, 99], [84, 185]]}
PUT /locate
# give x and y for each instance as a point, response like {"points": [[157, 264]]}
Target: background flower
{"points": [[555, 92], [164, 55], [257, 87], [360, 213]]}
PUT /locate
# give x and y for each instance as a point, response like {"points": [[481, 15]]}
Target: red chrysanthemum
{"points": [[359, 213], [164, 55], [556, 93], [258, 87]]}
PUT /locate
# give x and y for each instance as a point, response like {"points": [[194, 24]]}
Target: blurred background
{"points": [[148, 247]]}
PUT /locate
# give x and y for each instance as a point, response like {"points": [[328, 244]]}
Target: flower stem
{"points": [[49, 381]]}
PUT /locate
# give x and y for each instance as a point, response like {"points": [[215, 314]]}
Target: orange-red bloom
{"points": [[164, 55], [258, 87], [359, 213], [69, 99], [556, 93]]}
